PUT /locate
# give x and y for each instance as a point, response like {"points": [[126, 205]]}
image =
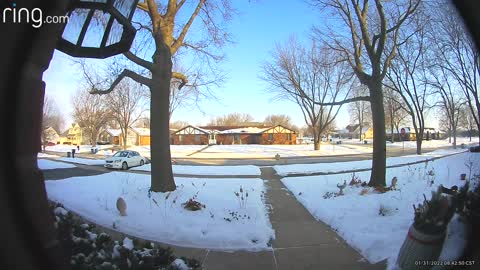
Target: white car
{"points": [[124, 160]]}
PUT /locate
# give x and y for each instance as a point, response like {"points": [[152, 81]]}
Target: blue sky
{"points": [[255, 31]]}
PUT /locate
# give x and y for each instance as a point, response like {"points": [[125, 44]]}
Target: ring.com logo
{"points": [[33, 16]]}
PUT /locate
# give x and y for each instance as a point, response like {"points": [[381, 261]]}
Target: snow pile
{"points": [[43, 155], [357, 218], [45, 164], [64, 148], [226, 222], [208, 170], [336, 167]]}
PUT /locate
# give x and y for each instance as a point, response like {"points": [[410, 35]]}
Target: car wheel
{"points": [[142, 162], [124, 166]]}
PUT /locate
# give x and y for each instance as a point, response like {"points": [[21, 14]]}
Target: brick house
{"points": [[234, 135], [191, 135], [110, 136]]}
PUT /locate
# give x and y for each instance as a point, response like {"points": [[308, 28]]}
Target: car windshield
{"points": [[121, 154]]}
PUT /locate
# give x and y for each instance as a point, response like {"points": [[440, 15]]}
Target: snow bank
{"points": [[224, 224], [64, 148], [45, 164], [207, 170], [43, 155], [356, 217], [335, 167]]}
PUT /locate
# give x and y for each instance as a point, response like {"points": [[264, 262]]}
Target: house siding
{"points": [[279, 138], [238, 138], [189, 139]]}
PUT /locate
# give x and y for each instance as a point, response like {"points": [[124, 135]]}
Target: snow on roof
{"points": [[114, 132], [248, 130], [142, 131], [204, 130]]}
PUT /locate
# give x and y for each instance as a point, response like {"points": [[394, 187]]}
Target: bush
{"points": [[88, 249]]}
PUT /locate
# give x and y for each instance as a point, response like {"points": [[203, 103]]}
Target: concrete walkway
{"points": [[301, 241]]}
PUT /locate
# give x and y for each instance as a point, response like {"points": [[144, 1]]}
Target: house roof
{"points": [[352, 128], [245, 130], [113, 132], [141, 131], [222, 128]]}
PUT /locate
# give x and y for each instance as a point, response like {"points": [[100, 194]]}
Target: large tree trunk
{"points": [[162, 175], [360, 126], [316, 140], [454, 138], [391, 130], [377, 178], [419, 140], [124, 139]]}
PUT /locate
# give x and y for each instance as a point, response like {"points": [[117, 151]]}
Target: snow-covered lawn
{"points": [[64, 148], [434, 143], [177, 151], [356, 217], [84, 161], [207, 170], [225, 223], [335, 167], [45, 164], [43, 155], [269, 151]]}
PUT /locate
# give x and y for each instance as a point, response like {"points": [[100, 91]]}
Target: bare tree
{"points": [[51, 118], [362, 37], [167, 24], [407, 76], [451, 102], [178, 124], [91, 112], [394, 113], [309, 77], [232, 119], [279, 119], [360, 110], [459, 54], [467, 121], [143, 122], [126, 106]]}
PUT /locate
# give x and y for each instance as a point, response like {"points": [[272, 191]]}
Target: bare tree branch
{"points": [[125, 73]]}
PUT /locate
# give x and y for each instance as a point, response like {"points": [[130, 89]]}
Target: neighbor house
{"points": [[191, 135], [234, 135], [110, 136], [74, 135], [50, 135], [365, 134], [138, 136]]}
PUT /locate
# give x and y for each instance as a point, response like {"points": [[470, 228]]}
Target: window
{"points": [[270, 136], [236, 137], [197, 138], [180, 138], [289, 136]]}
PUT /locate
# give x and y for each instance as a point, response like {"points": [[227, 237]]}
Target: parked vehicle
{"points": [[475, 149], [124, 160]]}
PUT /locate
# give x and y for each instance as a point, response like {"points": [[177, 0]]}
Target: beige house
{"points": [[142, 136], [50, 135], [135, 136]]}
